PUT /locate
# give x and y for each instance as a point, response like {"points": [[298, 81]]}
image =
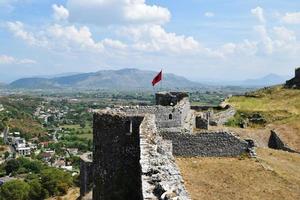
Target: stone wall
{"points": [[166, 116], [116, 156], [86, 174], [169, 98], [161, 178], [131, 160], [207, 144], [276, 143], [220, 118], [294, 82]]}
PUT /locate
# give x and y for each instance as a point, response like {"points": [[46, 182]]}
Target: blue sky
{"points": [[209, 40]]}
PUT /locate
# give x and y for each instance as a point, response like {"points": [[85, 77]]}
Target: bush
{"points": [[12, 166], [55, 181], [36, 190], [14, 190]]}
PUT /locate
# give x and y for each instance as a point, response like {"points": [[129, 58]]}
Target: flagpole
{"points": [[161, 82]]}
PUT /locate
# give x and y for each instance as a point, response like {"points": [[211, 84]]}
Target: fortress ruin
{"points": [[134, 148]]}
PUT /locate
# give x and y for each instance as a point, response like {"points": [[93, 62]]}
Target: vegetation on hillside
{"points": [[272, 105]]}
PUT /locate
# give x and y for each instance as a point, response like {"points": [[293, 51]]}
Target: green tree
{"points": [[6, 154], [12, 166], [56, 181], [14, 190], [36, 190]]}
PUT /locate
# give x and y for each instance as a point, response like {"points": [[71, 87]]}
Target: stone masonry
{"points": [[134, 148], [206, 144], [294, 82]]}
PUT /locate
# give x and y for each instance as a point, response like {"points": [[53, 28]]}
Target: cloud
{"points": [[209, 14], [5, 59], [291, 18], [264, 39], [258, 12], [154, 38], [60, 12], [284, 34], [107, 12], [18, 29]]}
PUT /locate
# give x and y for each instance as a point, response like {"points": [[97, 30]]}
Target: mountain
{"points": [[105, 79], [268, 80]]}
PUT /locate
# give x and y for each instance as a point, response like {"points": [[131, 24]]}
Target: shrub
{"points": [[14, 190]]}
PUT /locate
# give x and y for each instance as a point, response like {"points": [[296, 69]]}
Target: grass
{"points": [[280, 107], [271, 99], [275, 175], [85, 132]]}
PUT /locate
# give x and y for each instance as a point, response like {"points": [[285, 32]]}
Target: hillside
{"points": [[277, 107], [125, 79]]}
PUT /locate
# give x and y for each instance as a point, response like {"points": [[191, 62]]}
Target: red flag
{"points": [[157, 78]]}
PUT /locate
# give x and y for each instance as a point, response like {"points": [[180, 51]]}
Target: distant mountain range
{"points": [[130, 79], [268, 80], [106, 79]]}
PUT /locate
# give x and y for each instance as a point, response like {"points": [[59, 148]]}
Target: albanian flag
{"points": [[157, 78]]}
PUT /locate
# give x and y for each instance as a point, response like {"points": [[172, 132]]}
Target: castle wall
{"points": [[117, 171], [86, 174], [161, 178], [220, 118], [166, 116], [209, 144]]}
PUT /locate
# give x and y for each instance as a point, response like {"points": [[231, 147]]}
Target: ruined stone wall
{"points": [[131, 161], [294, 82], [161, 178], [86, 174], [220, 118], [166, 116], [117, 171], [208, 144], [169, 98], [276, 143]]}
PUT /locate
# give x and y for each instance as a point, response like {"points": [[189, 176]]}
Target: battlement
{"points": [[170, 98]]}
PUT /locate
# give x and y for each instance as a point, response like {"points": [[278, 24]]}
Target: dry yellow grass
{"points": [[72, 194], [274, 175]]}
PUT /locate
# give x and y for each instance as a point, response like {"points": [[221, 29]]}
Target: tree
{"points": [[6, 154], [16, 190], [82, 124], [56, 181], [12, 166], [36, 190]]}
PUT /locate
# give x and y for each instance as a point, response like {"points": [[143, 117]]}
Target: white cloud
{"points": [[264, 39], [18, 29], [60, 12], [5, 59], [258, 12], [116, 12], [284, 34], [291, 18], [153, 38], [209, 14], [27, 61]]}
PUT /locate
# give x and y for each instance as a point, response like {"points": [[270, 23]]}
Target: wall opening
{"points": [[170, 116]]}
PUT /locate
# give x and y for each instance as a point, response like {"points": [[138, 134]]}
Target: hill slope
{"points": [[106, 79], [278, 106]]}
